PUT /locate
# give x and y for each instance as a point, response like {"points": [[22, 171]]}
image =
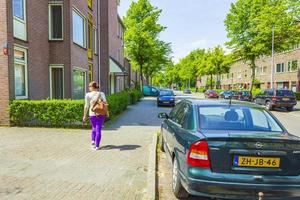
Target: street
{"points": [[38, 163]]}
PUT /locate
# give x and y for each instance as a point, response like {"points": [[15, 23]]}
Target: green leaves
{"points": [[142, 44], [64, 113]]}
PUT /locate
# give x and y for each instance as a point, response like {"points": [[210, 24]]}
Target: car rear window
{"points": [[166, 93], [284, 93], [237, 118]]}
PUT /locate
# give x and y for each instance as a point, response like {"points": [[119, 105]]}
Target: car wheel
{"points": [[255, 101], [290, 108], [162, 143], [269, 106], [178, 189]]}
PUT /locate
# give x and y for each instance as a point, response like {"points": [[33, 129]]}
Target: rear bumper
{"points": [[241, 186], [284, 104]]}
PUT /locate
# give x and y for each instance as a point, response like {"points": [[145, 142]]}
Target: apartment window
{"points": [[90, 36], [280, 67], [79, 29], [55, 21], [20, 69], [56, 82], [264, 70], [79, 84], [95, 42], [91, 74], [293, 66], [19, 19]]}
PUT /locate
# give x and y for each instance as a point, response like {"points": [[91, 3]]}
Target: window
{"points": [[19, 19], [18, 9], [90, 36], [280, 67], [95, 42], [79, 84], [293, 66], [91, 69], [264, 70], [56, 82], [237, 118], [20, 65], [55, 21], [79, 29]]}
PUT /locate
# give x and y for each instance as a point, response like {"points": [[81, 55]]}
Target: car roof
{"points": [[199, 102]]}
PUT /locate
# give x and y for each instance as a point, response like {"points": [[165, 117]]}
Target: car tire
{"points": [[290, 108], [177, 187], [162, 143], [255, 101], [269, 106]]}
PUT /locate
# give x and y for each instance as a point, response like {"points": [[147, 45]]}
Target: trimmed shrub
{"points": [[134, 95], [202, 89], [61, 113], [297, 94]]}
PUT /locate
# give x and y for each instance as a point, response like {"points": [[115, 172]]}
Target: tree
{"points": [[142, 44], [250, 24]]}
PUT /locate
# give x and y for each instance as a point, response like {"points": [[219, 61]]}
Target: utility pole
{"points": [[272, 60]]}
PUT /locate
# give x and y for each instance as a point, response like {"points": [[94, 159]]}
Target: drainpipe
{"points": [[98, 43]]}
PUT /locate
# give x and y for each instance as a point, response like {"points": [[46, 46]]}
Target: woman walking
{"points": [[96, 121]]}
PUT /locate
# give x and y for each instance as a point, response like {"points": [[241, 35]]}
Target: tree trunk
{"points": [[141, 77], [211, 81], [147, 79], [252, 65]]}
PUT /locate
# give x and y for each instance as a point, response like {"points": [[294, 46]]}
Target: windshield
{"points": [[284, 93], [166, 93], [237, 118]]}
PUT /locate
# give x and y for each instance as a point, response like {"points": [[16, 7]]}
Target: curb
{"points": [[151, 187]]}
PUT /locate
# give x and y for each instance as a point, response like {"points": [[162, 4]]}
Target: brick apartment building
{"points": [[52, 49], [286, 73]]}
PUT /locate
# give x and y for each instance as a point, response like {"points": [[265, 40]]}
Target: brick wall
{"points": [[4, 73]]}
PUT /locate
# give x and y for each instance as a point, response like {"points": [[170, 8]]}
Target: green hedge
{"points": [[297, 95], [62, 113], [134, 95]]}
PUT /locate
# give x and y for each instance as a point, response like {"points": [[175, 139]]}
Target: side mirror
{"points": [[163, 116]]}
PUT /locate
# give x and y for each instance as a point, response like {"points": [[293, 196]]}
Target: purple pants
{"points": [[96, 123]]}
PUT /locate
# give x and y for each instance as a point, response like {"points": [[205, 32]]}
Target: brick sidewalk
{"points": [[51, 164]]}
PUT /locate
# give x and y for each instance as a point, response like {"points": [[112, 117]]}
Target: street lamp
{"points": [[273, 59]]}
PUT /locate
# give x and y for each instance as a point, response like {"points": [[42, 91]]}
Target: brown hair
{"points": [[94, 85]]}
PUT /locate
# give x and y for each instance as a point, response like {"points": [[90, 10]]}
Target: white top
{"points": [[90, 99]]}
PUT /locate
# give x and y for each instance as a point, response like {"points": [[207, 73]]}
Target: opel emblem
{"points": [[259, 145]]}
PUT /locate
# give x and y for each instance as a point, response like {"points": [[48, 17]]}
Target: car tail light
{"points": [[199, 155], [274, 99]]}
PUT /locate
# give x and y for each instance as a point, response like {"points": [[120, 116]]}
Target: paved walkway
{"points": [[38, 163]]}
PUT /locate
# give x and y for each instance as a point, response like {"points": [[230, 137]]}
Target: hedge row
{"points": [[64, 113], [297, 95]]}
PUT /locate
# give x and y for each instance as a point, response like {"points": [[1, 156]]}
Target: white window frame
{"points": [[95, 40], [50, 20], [85, 78], [84, 27], [60, 66], [21, 21], [281, 68], [290, 67], [24, 63]]}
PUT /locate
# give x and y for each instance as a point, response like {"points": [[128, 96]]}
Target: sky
{"points": [[191, 24]]}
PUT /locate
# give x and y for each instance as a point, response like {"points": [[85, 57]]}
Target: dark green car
{"points": [[226, 150]]}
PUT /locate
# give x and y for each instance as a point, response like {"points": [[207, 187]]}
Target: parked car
{"points": [[242, 96], [150, 91], [274, 98], [187, 91], [166, 98], [230, 150], [211, 94], [226, 94]]}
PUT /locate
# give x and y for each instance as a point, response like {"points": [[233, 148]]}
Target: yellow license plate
{"points": [[247, 161], [285, 99]]}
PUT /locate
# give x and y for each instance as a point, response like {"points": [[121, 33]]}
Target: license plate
{"points": [[166, 102], [247, 161], [285, 99]]}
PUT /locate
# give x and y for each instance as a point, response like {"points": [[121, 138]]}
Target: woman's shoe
{"points": [[93, 143], [97, 148]]}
